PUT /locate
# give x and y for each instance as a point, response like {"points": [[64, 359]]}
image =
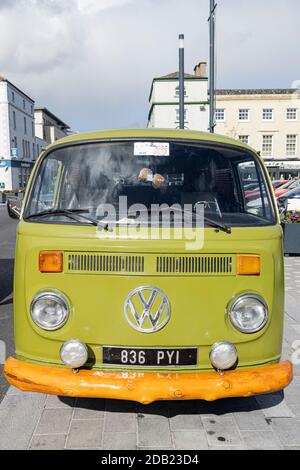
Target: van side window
{"points": [[44, 196], [254, 191]]}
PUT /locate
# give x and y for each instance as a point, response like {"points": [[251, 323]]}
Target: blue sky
{"points": [[92, 61]]}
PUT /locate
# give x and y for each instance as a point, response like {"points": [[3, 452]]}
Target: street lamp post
{"points": [[181, 81], [212, 19]]}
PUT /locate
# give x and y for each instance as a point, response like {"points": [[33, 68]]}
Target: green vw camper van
{"points": [[149, 266]]}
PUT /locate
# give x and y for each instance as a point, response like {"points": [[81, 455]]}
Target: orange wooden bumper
{"points": [[149, 386]]}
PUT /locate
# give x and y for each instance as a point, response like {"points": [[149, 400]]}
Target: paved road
{"points": [[7, 248], [45, 422]]}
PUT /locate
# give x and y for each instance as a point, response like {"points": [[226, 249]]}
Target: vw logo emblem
{"points": [[147, 309]]}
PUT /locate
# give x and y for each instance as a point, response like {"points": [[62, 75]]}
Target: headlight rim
{"points": [[248, 296], [59, 296]]}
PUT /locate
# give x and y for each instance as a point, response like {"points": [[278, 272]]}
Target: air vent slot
{"points": [[105, 263], [194, 265]]}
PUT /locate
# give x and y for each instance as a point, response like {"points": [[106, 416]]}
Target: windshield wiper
{"points": [[213, 223], [75, 214]]}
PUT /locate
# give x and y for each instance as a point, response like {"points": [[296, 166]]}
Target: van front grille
{"points": [[149, 264], [194, 264], [105, 263]]}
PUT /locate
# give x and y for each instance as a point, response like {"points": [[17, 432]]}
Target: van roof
{"points": [[147, 134]]}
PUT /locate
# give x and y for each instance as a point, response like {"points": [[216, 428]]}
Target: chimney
{"points": [[201, 70]]}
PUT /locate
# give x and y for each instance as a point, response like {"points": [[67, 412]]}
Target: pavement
{"points": [[36, 421]]}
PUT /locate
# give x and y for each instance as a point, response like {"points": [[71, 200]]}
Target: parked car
{"points": [[293, 184], [290, 200], [278, 183], [108, 304]]}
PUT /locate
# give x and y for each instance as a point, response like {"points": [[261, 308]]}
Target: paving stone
{"points": [[260, 440], [85, 433], [120, 422], [274, 406], [153, 432], [56, 402], [48, 442], [185, 422], [119, 441], [190, 440], [221, 431], [288, 430], [54, 421], [18, 417], [251, 420]]}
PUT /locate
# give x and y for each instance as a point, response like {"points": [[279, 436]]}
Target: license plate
{"points": [[149, 357]]}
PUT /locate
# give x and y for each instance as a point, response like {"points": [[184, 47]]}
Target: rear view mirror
{"points": [[14, 205]]}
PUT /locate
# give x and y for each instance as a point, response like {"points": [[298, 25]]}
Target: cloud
{"points": [[92, 61]]}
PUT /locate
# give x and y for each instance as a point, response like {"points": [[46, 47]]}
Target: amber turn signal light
{"points": [[248, 265], [51, 262]]}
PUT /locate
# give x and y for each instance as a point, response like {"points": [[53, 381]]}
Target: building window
{"points": [[267, 114], [267, 146], [291, 145], [25, 126], [12, 96], [220, 114], [24, 104], [32, 128], [177, 91], [31, 109], [291, 114], [244, 114], [14, 120], [244, 139]]}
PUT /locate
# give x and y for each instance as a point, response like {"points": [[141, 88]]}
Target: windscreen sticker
{"points": [[153, 149]]}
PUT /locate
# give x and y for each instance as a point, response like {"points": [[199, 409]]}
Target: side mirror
{"points": [[14, 208]]}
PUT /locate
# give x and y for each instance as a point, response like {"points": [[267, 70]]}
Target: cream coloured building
{"points": [[164, 100], [268, 121]]}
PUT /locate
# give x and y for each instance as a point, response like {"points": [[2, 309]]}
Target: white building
{"points": [[164, 101], [267, 120], [17, 136]]}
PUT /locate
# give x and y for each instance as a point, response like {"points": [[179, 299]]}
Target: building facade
{"points": [[268, 121], [164, 100], [17, 136], [24, 131]]}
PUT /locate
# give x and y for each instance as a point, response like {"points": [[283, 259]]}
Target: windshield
{"points": [[90, 178]]}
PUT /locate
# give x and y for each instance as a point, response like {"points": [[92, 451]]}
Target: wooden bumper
{"points": [[149, 386]]}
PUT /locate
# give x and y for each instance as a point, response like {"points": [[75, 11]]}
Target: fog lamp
{"points": [[223, 355], [74, 354]]}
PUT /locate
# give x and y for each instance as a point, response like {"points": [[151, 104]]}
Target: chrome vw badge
{"points": [[147, 309]]}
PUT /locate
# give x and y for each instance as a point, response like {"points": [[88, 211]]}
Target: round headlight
{"points": [[249, 313], [74, 353], [223, 355], [49, 310]]}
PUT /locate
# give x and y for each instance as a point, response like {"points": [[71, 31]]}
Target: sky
{"points": [[91, 62]]}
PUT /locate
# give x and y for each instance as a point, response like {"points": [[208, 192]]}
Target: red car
{"points": [[292, 184]]}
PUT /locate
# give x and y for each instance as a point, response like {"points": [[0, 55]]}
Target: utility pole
{"points": [[181, 81], [212, 20]]}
